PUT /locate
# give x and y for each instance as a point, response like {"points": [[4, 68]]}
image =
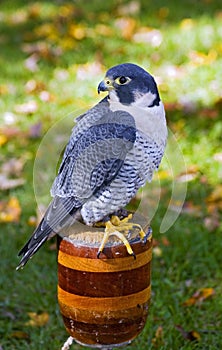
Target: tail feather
{"points": [[34, 243], [59, 215]]}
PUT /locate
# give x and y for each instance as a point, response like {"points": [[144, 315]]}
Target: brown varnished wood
{"points": [[103, 301], [103, 265], [102, 284], [104, 316], [115, 252], [105, 334], [101, 304]]}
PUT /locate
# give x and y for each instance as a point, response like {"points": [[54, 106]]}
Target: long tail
{"points": [[59, 215]]}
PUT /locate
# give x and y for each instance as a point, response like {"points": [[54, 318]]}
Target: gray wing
{"points": [[96, 156]]}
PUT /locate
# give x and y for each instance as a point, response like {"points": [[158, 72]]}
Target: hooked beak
{"points": [[105, 85]]}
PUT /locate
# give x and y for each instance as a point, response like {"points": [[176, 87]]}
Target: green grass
{"points": [[187, 64]]}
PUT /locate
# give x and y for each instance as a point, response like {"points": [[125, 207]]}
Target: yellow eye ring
{"points": [[122, 80]]}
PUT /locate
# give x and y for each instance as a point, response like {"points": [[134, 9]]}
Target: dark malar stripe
{"points": [[103, 284]]}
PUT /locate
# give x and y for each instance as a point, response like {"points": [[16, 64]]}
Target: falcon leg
{"points": [[120, 228], [125, 226]]}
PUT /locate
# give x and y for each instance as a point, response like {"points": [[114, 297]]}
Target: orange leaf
{"points": [[3, 140], [192, 335], [32, 221], [200, 58], [126, 26], [216, 195], [165, 241], [199, 296], [158, 338], [77, 32], [37, 320], [10, 211], [19, 335]]}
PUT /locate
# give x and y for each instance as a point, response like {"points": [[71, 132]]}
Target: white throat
{"points": [[149, 120]]}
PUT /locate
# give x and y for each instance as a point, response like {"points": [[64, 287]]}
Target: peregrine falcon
{"points": [[113, 150]]}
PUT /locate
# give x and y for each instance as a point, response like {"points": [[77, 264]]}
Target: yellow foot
{"points": [[120, 228]]}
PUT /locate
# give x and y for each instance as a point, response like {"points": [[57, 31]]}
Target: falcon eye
{"points": [[122, 80]]}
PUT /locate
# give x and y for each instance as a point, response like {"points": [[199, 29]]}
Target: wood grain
{"points": [[103, 301]]}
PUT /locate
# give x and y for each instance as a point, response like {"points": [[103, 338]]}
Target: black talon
{"points": [[98, 254], [134, 255]]}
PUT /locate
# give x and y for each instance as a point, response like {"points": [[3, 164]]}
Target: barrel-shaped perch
{"points": [[103, 302]]}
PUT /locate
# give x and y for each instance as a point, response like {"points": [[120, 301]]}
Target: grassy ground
{"points": [[53, 54]]}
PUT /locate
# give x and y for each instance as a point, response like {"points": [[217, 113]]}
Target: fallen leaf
{"points": [[156, 243], [32, 221], [37, 320], [199, 296], [33, 86], [19, 335], [126, 26], [216, 195], [13, 166], [9, 170], [165, 241], [191, 335], [7, 184], [214, 201], [4, 90], [34, 10], [148, 36], [37, 50], [200, 58], [3, 140], [10, 211], [77, 32], [131, 8], [29, 107], [157, 341], [192, 172]]}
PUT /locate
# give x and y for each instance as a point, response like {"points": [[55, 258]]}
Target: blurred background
{"points": [[53, 54]]}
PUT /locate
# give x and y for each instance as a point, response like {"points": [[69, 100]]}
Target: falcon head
{"points": [[130, 84]]}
